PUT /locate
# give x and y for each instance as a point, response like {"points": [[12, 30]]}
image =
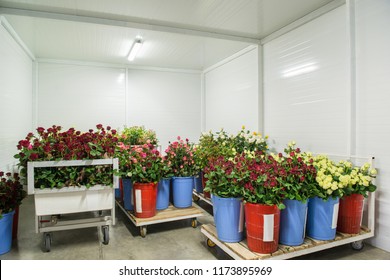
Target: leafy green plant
{"points": [[137, 135]]}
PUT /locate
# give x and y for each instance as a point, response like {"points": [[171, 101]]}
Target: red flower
{"points": [[40, 130], [99, 126]]}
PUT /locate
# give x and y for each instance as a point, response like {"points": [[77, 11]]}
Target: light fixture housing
{"points": [[135, 49]]}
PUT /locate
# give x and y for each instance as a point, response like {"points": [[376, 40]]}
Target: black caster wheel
{"points": [[194, 222], [143, 231], [195, 198], [47, 242], [357, 245], [106, 234], [210, 243]]}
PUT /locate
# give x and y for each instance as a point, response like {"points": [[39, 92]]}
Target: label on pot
{"points": [[335, 215], [138, 201], [268, 228], [241, 221]]}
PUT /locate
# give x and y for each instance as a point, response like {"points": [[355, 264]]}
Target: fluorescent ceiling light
{"points": [[301, 69], [135, 49]]}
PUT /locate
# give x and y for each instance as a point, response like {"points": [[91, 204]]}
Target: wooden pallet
{"points": [[240, 250], [167, 215]]}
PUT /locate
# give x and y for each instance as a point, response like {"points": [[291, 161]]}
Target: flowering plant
{"points": [[245, 140], [180, 158], [259, 174], [141, 163], [295, 174], [138, 135], [328, 178], [11, 192], [222, 176], [55, 144], [357, 180], [212, 145], [221, 144]]}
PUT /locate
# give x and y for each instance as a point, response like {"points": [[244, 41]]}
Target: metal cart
{"points": [[200, 196], [240, 250], [54, 207], [167, 215]]}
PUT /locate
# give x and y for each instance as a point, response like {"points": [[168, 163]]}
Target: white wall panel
{"points": [[305, 86], [373, 99], [231, 94], [80, 96], [15, 98], [167, 102]]}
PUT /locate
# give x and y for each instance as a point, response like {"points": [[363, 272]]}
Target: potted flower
{"points": [[357, 183], [180, 154], [164, 186], [132, 136], [323, 207], [224, 183], [144, 165], [11, 196], [297, 176], [263, 195], [212, 145]]}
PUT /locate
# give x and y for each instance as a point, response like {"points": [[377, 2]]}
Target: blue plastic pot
{"points": [[163, 190], [322, 218], [228, 218], [182, 191], [128, 194], [6, 232], [293, 222], [198, 183]]}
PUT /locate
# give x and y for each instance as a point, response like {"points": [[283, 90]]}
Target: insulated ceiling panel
{"points": [[251, 18], [67, 40]]}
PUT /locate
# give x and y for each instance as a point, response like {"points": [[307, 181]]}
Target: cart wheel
{"points": [[357, 245], [210, 243], [47, 242], [106, 235], [194, 223], [195, 198], [143, 231]]}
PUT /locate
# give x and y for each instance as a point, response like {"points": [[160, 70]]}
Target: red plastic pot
{"points": [[144, 195], [262, 227], [350, 214]]}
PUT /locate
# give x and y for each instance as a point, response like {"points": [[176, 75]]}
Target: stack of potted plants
{"points": [[129, 137], [180, 159], [357, 183], [298, 178], [144, 165]]}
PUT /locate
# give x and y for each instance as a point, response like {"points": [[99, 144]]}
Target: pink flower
{"points": [[184, 158], [178, 138]]}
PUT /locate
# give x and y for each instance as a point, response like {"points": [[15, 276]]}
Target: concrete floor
{"points": [[169, 241]]}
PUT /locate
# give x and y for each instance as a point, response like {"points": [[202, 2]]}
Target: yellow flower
{"points": [[373, 172], [266, 137], [243, 127]]}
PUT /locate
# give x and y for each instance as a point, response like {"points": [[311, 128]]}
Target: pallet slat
{"points": [[241, 249]]}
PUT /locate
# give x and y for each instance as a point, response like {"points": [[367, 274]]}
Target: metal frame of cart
{"points": [[168, 215], [53, 203], [200, 196], [240, 250]]}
